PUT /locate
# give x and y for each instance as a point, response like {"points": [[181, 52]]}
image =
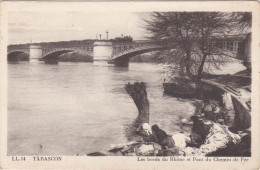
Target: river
{"points": [[76, 108]]}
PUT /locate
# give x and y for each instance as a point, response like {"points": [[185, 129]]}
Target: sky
{"points": [[24, 27]]}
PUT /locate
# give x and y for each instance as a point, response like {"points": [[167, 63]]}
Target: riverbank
{"points": [[219, 141], [234, 92], [217, 128]]}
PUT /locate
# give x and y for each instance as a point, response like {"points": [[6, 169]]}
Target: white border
{"points": [[78, 162]]}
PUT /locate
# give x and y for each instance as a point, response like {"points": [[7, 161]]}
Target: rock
{"points": [[245, 132], [96, 154], [235, 138], [180, 140], [131, 154], [127, 149], [171, 151], [118, 147], [114, 150], [189, 151], [217, 110], [157, 146], [221, 121], [186, 121], [80, 154], [208, 122], [117, 154], [168, 152], [207, 108], [146, 149]]}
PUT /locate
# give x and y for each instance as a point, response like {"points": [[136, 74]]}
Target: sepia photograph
{"points": [[153, 83]]}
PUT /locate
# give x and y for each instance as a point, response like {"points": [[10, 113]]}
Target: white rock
{"points": [[146, 149], [217, 110], [189, 151], [117, 146], [207, 108], [180, 140]]}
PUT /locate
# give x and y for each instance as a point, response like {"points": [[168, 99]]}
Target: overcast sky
{"points": [[64, 26]]}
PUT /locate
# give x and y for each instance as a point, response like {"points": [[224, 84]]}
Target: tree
{"points": [[243, 20], [191, 39], [139, 95]]}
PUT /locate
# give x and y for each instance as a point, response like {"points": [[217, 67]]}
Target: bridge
{"points": [[49, 51], [117, 53], [122, 52]]}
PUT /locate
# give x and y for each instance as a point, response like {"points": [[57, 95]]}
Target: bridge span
{"points": [[105, 50]]}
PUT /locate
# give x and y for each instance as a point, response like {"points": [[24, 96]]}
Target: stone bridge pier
{"points": [[31, 52], [102, 50], [35, 53]]}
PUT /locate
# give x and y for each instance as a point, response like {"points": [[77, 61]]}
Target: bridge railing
{"points": [[222, 52], [46, 51], [26, 50], [15, 48], [120, 48]]}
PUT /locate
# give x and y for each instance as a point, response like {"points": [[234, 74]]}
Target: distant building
{"points": [[230, 42], [244, 51]]}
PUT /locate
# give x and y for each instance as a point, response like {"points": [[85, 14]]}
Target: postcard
{"points": [[129, 85]]}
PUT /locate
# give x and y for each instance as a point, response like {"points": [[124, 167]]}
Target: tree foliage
{"points": [[243, 20], [191, 39]]}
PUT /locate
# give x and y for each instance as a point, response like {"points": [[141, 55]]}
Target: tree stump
{"points": [[139, 95]]}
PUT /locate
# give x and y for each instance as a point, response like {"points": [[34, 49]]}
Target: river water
{"points": [[76, 108]]}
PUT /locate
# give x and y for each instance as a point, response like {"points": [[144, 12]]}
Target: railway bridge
{"points": [[117, 53]]}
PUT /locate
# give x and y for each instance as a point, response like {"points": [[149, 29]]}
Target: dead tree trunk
{"points": [[138, 93]]}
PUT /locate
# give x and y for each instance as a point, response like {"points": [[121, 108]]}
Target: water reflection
{"points": [[13, 62], [130, 130], [120, 69]]}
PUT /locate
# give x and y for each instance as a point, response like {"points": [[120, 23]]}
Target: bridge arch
{"points": [[122, 57], [54, 55], [127, 54], [14, 55]]}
